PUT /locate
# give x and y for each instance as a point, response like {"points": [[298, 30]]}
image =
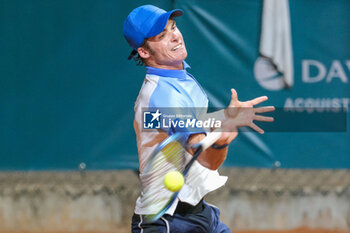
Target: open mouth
{"points": [[177, 47]]}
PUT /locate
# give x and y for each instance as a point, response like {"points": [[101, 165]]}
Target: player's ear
{"points": [[143, 52]]}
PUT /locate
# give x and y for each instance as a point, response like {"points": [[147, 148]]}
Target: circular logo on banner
{"points": [[267, 75]]}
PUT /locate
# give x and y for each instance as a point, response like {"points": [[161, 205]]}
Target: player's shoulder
{"points": [[168, 94], [150, 83], [161, 92]]}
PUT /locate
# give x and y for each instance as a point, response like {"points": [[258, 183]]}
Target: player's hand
{"points": [[244, 113], [229, 132]]}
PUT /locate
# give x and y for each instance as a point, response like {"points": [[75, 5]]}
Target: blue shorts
{"points": [[204, 219]]}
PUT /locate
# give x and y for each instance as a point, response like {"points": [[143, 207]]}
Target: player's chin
{"points": [[180, 54], [181, 57], [185, 56], [183, 53]]}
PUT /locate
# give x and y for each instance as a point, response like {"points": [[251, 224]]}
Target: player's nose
{"points": [[175, 37]]}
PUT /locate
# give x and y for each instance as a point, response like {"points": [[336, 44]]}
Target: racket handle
{"points": [[210, 139]]}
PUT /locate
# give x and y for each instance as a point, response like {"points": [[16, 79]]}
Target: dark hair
{"points": [[138, 59]]}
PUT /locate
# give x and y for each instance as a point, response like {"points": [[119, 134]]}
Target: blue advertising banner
{"points": [[224, 52], [67, 90]]}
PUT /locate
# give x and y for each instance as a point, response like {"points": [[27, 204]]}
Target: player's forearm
{"points": [[213, 158]]}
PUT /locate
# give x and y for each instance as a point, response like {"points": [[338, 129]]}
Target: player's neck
{"points": [[178, 66]]}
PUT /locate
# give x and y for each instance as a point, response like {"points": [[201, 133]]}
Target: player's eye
{"points": [[161, 36]]}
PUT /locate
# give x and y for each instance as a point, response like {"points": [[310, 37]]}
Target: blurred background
{"points": [[68, 156]]}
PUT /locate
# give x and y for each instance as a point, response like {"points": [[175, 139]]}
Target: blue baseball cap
{"points": [[144, 22]]}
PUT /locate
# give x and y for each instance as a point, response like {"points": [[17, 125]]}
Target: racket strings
{"points": [[174, 153], [155, 195]]}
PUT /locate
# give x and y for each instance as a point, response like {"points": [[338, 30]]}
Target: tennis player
{"points": [[158, 44]]}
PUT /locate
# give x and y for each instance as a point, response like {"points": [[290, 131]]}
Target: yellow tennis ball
{"points": [[174, 181]]}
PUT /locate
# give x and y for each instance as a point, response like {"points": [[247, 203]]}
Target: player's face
{"points": [[168, 48]]}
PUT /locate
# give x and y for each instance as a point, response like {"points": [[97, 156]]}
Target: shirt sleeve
{"points": [[178, 112]]}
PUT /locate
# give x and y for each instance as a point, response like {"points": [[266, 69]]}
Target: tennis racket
{"points": [[169, 156]]}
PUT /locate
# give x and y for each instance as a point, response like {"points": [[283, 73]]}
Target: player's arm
{"points": [[213, 158], [237, 114]]}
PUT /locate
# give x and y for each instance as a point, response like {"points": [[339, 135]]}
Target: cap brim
{"points": [[176, 13], [162, 21]]}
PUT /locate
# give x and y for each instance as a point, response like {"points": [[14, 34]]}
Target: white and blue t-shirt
{"points": [[172, 89]]}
